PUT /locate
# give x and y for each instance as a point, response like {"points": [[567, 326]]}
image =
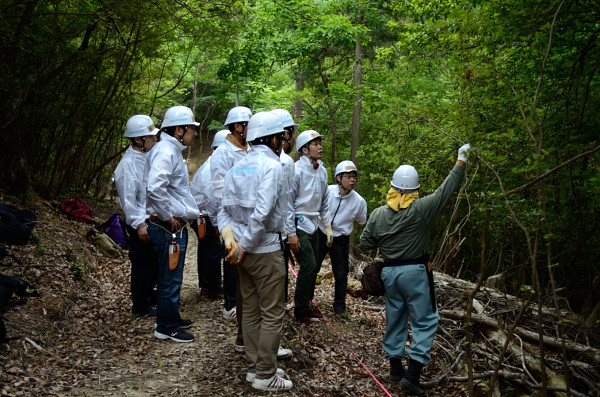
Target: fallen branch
{"points": [[506, 375], [587, 351]]}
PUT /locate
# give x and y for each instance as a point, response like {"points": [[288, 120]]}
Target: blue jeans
{"points": [[169, 281], [210, 256], [407, 294]]}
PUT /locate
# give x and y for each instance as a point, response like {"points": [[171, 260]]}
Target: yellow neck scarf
{"points": [[397, 200]]}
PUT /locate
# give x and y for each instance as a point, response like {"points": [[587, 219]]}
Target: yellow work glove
{"points": [[230, 244], [329, 234]]}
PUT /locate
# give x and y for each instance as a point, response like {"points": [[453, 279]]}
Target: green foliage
{"points": [[78, 269], [519, 81]]}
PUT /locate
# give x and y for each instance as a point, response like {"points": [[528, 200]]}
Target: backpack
{"points": [[8, 286], [78, 210], [371, 279], [115, 228], [15, 224], [105, 244]]}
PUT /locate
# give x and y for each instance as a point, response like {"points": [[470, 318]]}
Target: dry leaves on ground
{"points": [[79, 339]]}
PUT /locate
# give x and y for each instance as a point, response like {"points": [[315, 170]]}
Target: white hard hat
{"points": [[405, 178], [219, 138], [140, 125], [285, 117], [305, 137], [345, 166], [179, 115], [263, 124], [238, 114]]}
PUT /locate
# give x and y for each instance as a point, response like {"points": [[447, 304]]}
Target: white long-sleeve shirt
{"points": [[129, 181], [201, 188], [253, 203], [223, 158], [309, 197], [166, 177], [288, 178], [344, 211]]}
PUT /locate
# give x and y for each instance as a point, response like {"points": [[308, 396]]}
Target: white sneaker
{"points": [[230, 314], [274, 383], [283, 352], [250, 376], [239, 348]]}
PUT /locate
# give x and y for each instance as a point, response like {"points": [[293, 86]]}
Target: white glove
{"points": [[329, 234], [463, 152]]}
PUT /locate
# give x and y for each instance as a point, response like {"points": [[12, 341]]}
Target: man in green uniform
{"points": [[401, 231]]}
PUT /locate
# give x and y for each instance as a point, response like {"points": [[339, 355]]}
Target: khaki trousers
{"points": [[262, 284]]}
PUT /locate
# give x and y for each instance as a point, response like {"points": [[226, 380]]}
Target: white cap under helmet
{"points": [[263, 124], [179, 115], [405, 178]]}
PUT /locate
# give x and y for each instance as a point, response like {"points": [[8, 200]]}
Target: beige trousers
{"points": [[262, 284]]}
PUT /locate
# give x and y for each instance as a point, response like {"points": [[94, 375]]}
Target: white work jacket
{"points": [[252, 201], [309, 197], [288, 178], [223, 158], [168, 188], [345, 211], [201, 188], [129, 181]]}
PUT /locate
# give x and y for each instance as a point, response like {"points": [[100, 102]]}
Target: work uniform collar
{"points": [[173, 141], [336, 192], [308, 162], [264, 149]]}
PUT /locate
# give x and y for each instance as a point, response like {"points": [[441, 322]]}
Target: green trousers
{"points": [[307, 275]]}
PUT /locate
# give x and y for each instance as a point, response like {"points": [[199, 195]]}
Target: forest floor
{"points": [[78, 337]]}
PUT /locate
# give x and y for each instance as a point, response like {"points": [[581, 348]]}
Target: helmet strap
{"points": [[185, 128], [340, 183], [142, 147], [311, 158]]}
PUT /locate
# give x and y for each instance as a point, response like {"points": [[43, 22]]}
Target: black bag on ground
{"points": [[15, 224], [10, 285], [371, 279]]}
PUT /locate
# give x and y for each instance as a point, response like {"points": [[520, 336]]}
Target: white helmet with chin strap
{"points": [[263, 124], [140, 125], [238, 114], [405, 179], [345, 166], [219, 138], [305, 137], [179, 115]]}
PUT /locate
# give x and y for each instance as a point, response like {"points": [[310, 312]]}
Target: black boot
{"points": [[410, 381], [396, 369]]}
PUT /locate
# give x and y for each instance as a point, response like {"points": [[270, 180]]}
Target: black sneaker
{"points": [[178, 335], [185, 323]]}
